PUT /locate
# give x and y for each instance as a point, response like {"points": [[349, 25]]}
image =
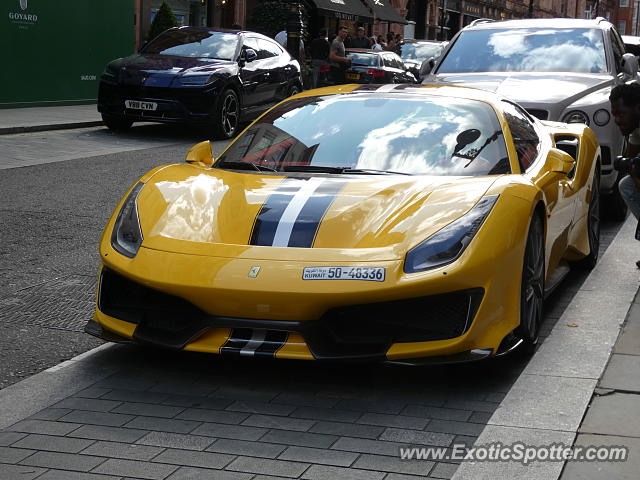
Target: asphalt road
{"points": [[52, 217]]}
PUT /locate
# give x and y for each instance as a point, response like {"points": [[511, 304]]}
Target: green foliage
{"points": [[164, 19], [270, 17]]}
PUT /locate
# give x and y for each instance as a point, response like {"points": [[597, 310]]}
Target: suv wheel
{"points": [[114, 122]]}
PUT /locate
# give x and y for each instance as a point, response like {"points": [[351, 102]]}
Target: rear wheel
{"points": [[114, 122], [226, 115], [532, 287], [593, 226]]}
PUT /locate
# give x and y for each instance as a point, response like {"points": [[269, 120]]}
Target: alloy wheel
{"points": [[532, 293], [229, 114]]}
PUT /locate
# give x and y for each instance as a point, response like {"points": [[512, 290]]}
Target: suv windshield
{"points": [[369, 133], [190, 43], [527, 50], [420, 51]]}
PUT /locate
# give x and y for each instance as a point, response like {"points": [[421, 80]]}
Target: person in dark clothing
{"points": [[361, 41], [319, 51]]}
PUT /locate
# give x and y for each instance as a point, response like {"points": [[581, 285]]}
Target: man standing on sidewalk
{"points": [[319, 51], [339, 61]]}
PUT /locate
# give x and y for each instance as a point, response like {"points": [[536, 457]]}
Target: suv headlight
{"points": [[126, 237], [198, 79], [447, 245], [576, 116]]}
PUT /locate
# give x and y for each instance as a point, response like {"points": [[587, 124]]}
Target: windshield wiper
{"points": [[338, 170], [373, 171], [245, 166]]}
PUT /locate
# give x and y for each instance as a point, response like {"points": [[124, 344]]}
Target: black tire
{"points": [[614, 206], [226, 115], [593, 227], [532, 287], [294, 90], [116, 123]]}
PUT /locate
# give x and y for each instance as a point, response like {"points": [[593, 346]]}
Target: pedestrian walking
{"points": [[319, 51]]}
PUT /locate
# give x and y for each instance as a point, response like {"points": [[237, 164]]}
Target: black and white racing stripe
{"points": [[258, 342], [291, 216]]}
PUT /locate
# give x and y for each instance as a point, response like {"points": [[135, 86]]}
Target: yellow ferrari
{"points": [[400, 223]]}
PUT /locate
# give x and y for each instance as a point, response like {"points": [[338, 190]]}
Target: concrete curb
{"points": [[46, 388], [44, 128], [548, 401]]}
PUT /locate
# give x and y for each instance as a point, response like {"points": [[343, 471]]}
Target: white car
{"points": [[557, 69]]}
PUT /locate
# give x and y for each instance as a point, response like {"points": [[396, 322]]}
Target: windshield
{"points": [[198, 44], [420, 51], [428, 135], [527, 50], [365, 59]]}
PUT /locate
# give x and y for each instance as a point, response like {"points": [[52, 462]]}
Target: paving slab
{"points": [[615, 414], [623, 373], [510, 470], [629, 341], [626, 470], [543, 402]]}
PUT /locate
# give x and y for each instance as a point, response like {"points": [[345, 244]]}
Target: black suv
{"points": [[196, 75]]}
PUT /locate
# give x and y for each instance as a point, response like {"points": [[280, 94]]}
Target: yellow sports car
{"points": [[401, 223]]}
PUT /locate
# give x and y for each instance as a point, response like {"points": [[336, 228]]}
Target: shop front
{"points": [[470, 11]]}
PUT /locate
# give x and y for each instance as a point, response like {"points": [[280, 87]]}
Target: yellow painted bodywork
{"points": [[196, 222]]}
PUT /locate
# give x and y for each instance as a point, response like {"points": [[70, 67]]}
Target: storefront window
{"points": [[188, 12]]}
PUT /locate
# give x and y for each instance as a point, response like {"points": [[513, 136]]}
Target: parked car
{"points": [[558, 69], [631, 44], [415, 52], [393, 223], [200, 76], [368, 66]]}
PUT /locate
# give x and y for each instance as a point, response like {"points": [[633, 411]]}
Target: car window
{"points": [[258, 46], [271, 49], [525, 138], [363, 59], [397, 63], [418, 52], [527, 50], [618, 49], [194, 43], [415, 134]]}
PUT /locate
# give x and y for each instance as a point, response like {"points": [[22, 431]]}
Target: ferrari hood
{"points": [[529, 88], [214, 212]]}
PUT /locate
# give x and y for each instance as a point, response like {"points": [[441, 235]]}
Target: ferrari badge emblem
{"points": [[253, 273]]}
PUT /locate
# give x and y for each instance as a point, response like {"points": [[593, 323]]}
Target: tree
{"points": [[164, 19], [270, 17]]}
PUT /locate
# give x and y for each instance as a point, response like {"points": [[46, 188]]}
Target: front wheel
{"points": [[532, 287], [114, 122], [226, 115], [593, 226]]}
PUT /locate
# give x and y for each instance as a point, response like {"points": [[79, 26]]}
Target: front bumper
{"points": [[190, 105], [353, 332]]}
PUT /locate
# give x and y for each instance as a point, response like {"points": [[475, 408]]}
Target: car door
{"points": [[276, 65], [254, 76], [558, 188]]}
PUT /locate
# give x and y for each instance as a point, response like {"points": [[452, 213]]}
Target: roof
{"points": [[348, 9], [543, 23]]}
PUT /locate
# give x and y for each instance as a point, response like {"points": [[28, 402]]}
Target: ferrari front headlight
{"points": [[447, 245], [127, 235]]}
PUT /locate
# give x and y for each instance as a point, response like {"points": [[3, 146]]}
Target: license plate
{"points": [[369, 274], [138, 105], [353, 76]]}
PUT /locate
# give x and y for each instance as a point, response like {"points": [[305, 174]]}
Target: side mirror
{"points": [[560, 162], [629, 65], [200, 154], [426, 67], [250, 55]]}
